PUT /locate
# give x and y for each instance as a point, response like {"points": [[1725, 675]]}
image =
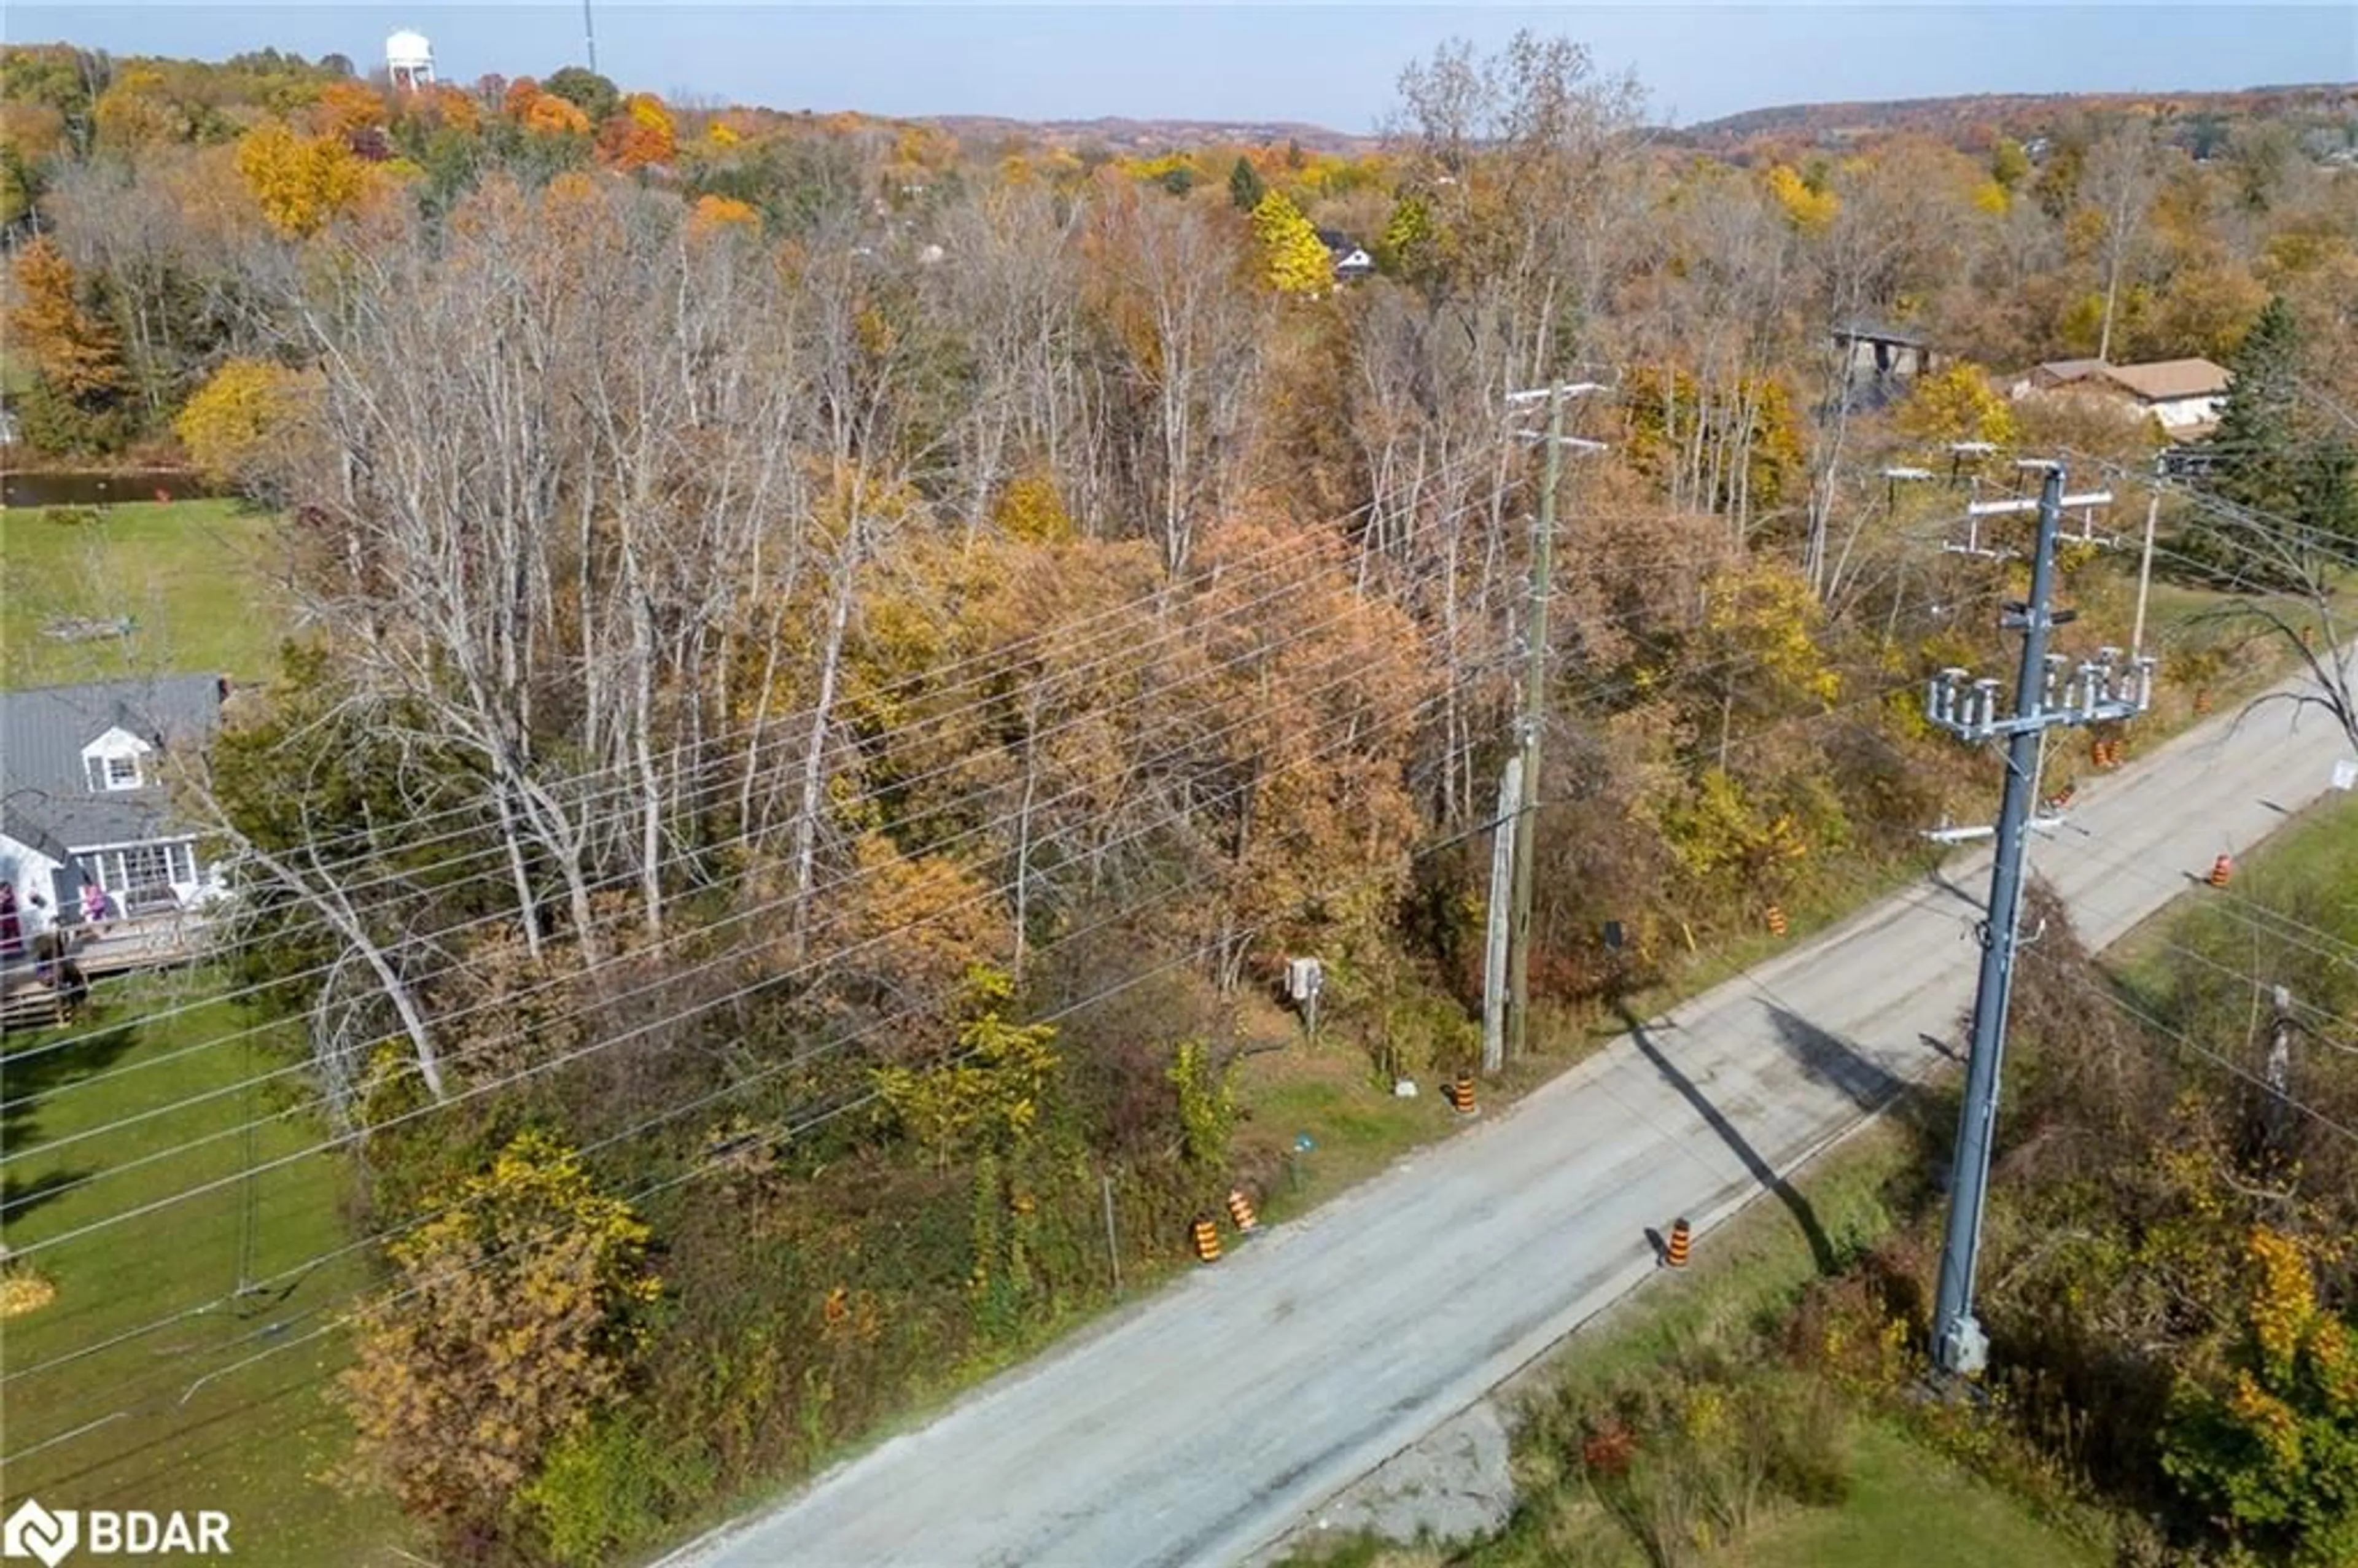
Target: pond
{"points": [[60, 488]]}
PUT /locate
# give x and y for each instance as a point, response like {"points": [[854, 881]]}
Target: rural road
{"points": [[1210, 1420]]}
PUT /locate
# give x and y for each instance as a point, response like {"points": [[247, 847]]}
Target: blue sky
{"points": [[1331, 64]]}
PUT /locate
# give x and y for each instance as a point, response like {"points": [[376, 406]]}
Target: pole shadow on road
{"points": [[1829, 1059], [1820, 1249], [1940, 879]]}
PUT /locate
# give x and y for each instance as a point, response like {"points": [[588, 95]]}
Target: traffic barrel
{"points": [[1207, 1240], [2202, 703], [1681, 1241], [2221, 869], [1459, 1093], [1776, 921], [2062, 797], [1240, 1209]]}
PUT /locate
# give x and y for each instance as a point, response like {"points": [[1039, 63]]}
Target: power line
{"points": [[1868, 700], [2161, 1027], [738, 1087], [1763, 732], [1178, 631], [463, 967], [602, 1000], [1347, 723], [511, 998]]}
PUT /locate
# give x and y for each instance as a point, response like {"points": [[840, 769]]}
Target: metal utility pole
{"points": [[1534, 715], [589, 35], [2099, 690]]}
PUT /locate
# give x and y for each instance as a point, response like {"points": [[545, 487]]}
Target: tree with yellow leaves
{"points": [[989, 1095], [1293, 259], [233, 418], [1956, 404], [516, 1318], [301, 183], [1808, 207], [2272, 1446]]}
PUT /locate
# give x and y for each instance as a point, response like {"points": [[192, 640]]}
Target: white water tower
{"points": [[409, 60]]}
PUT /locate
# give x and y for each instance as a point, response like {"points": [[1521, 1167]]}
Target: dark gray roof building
{"points": [[55, 796]]}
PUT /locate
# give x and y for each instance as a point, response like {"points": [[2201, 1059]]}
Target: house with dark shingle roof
{"points": [[83, 798]]}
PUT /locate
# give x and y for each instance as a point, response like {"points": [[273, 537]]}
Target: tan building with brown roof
{"points": [[2182, 395]]}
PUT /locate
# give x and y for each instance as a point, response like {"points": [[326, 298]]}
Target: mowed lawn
{"points": [[1908, 1505], [195, 577], [192, 1348]]}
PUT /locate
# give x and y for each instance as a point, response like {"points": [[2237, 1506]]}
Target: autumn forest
{"points": [[827, 667]]}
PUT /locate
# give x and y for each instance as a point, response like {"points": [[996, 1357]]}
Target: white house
{"points": [[2183, 396], [84, 798], [1351, 260]]}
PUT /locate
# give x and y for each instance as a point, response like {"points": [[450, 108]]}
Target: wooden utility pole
{"points": [[1535, 691], [1527, 829], [2144, 569], [1502, 898]]}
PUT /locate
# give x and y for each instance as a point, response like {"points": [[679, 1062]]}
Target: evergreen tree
{"points": [[1245, 187], [2257, 445], [2271, 459]]}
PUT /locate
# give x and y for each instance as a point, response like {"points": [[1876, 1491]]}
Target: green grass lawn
{"points": [[256, 1437], [195, 576], [1909, 1505]]}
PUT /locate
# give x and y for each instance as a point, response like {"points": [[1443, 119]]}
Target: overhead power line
{"points": [[1871, 700]]}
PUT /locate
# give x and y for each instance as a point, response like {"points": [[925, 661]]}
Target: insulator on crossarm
{"points": [[2142, 682], [2108, 656], [2092, 682], [2047, 686], [1985, 703], [1944, 686]]}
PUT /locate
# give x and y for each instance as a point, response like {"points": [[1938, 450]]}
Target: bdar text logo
{"points": [[34, 1531]]}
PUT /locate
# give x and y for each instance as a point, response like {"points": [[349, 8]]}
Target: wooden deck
{"points": [[116, 947]]}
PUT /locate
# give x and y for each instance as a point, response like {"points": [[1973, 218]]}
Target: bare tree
{"points": [[2118, 178]]}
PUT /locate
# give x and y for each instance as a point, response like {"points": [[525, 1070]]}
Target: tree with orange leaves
{"points": [[639, 136], [546, 114], [80, 386], [346, 108]]}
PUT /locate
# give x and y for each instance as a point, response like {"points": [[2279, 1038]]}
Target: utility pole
{"points": [[2099, 690], [2279, 1068], [1527, 818], [2145, 566], [589, 35], [1534, 715], [1494, 946]]}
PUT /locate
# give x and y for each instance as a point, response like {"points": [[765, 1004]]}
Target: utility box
{"points": [[1303, 979]]}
